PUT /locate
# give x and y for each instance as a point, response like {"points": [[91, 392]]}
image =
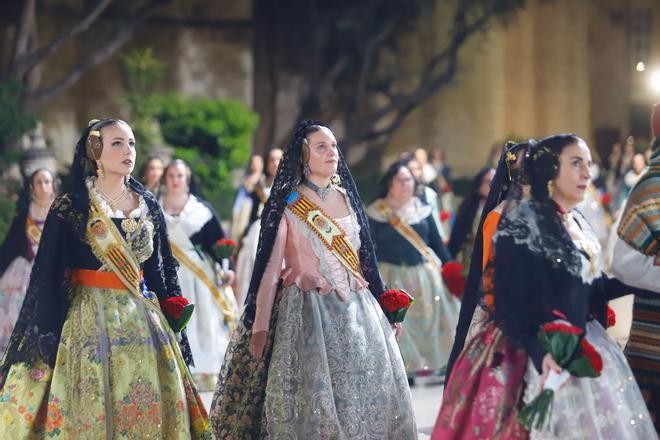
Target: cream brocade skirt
{"points": [[608, 407], [119, 374], [430, 324]]}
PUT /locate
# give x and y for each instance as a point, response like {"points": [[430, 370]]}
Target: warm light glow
{"points": [[655, 80], [641, 66]]}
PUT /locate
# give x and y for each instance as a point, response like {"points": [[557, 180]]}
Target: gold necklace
{"points": [[113, 201]]}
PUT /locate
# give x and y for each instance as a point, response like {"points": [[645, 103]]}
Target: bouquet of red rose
{"points": [[453, 274], [573, 353], [178, 311], [395, 304], [224, 248]]}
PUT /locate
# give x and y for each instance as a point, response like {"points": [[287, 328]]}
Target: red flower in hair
{"points": [[452, 273], [173, 306], [589, 351], [611, 317]]}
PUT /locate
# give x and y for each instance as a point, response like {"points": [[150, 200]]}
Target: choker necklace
{"points": [[321, 192]]}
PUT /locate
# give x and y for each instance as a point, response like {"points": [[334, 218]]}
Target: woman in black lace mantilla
{"points": [[92, 352]]}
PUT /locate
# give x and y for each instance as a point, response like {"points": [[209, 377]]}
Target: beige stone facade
{"points": [[561, 66]]}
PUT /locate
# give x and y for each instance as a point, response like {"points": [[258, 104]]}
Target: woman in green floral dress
{"points": [[94, 353]]}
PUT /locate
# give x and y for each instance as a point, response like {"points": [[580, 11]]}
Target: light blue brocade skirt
{"points": [[336, 371]]}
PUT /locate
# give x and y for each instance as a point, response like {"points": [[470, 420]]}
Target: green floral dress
{"points": [[110, 366]]}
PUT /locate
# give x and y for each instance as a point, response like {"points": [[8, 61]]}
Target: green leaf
{"points": [[581, 367]]}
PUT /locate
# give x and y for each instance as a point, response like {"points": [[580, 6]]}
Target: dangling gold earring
{"points": [[127, 179], [551, 187], [100, 172], [335, 180]]}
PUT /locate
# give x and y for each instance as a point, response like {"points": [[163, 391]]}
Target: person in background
{"points": [[240, 212], [427, 197], [466, 225], [193, 228], [636, 261], [250, 239], [152, 171], [410, 256], [20, 247]]}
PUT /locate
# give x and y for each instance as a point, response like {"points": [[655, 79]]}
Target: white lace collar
{"points": [[105, 207], [412, 212], [192, 217]]}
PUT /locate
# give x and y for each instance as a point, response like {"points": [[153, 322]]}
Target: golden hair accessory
{"points": [[92, 122]]}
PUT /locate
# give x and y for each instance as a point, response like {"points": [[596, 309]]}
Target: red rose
{"points": [[444, 216], [611, 317], [560, 327], [589, 351], [452, 273], [226, 242], [173, 306], [606, 199], [394, 300]]}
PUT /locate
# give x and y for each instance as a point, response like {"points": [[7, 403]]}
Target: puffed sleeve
{"points": [[270, 279]]}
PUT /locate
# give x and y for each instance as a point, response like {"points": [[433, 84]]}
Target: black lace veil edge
{"points": [[501, 189], [286, 180]]}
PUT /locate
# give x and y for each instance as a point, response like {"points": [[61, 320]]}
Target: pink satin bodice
{"points": [[295, 262]]}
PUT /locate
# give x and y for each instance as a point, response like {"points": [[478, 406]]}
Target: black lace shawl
{"points": [[499, 190], [286, 180]]}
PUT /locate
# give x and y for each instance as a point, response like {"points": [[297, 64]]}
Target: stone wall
{"points": [[206, 46]]}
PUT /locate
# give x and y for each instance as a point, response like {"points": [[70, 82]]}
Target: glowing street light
{"points": [[640, 66], [655, 81]]}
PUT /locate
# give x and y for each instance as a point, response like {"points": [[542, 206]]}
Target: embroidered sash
{"points": [[227, 309], [329, 232], [33, 231], [406, 232], [112, 250]]}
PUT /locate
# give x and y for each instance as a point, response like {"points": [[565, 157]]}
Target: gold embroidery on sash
{"points": [[406, 231], [112, 250], [180, 255], [32, 231], [329, 232]]}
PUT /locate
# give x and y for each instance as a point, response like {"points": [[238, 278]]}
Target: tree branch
{"points": [[120, 37], [25, 62], [23, 32], [431, 81]]}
